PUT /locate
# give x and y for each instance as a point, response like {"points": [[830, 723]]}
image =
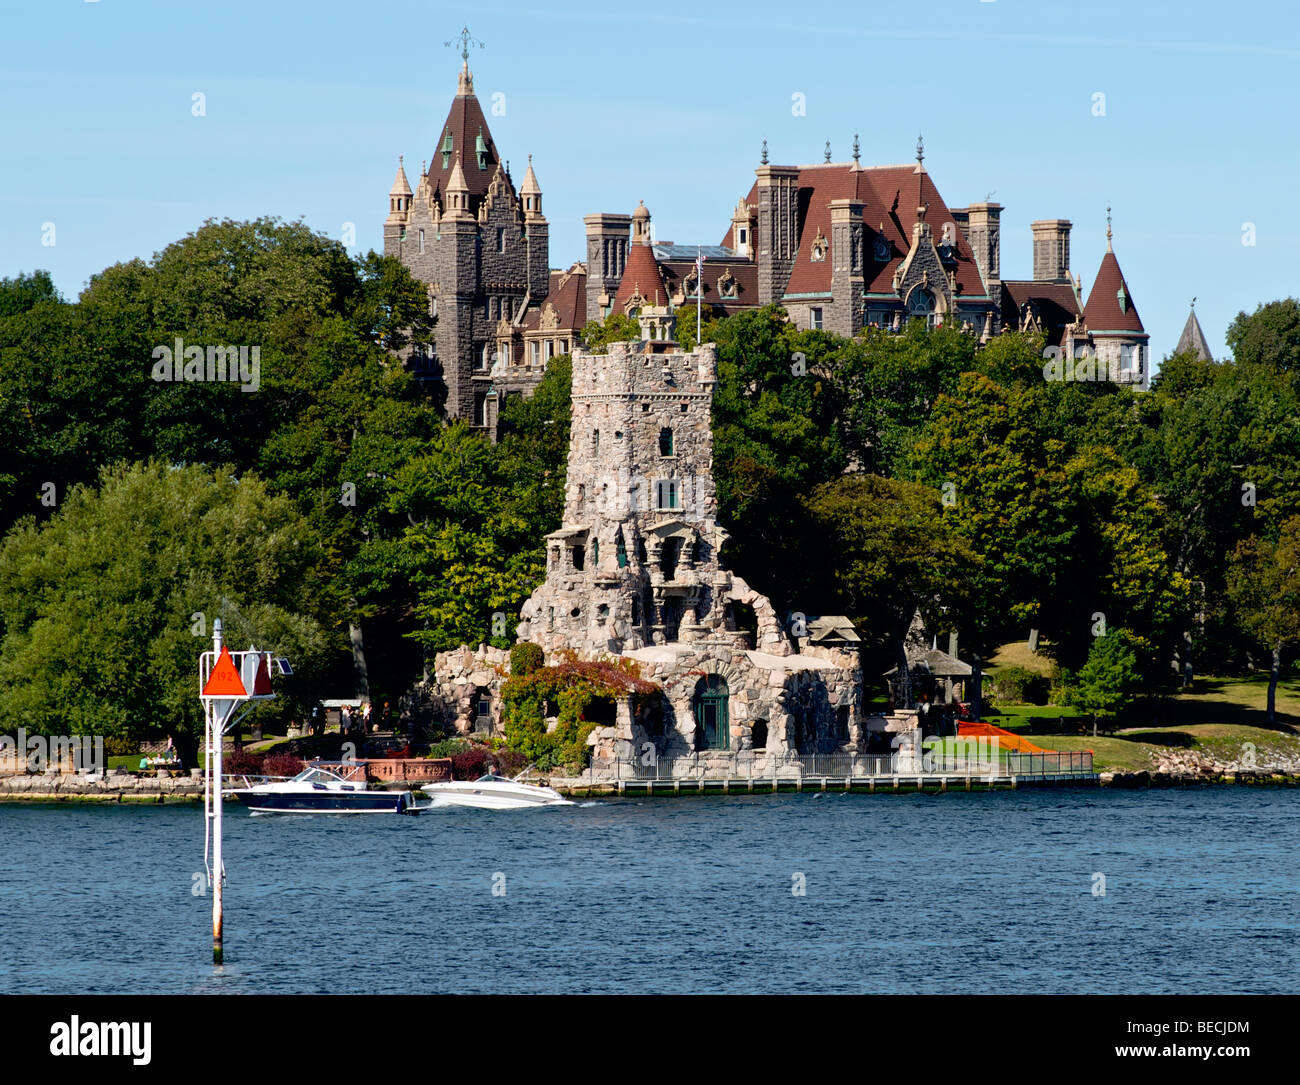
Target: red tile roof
{"points": [[464, 121], [1056, 303], [890, 196], [640, 273], [1103, 312], [567, 295], [744, 272]]}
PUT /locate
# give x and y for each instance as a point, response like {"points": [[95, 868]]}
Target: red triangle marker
{"points": [[224, 679], [262, 680]]}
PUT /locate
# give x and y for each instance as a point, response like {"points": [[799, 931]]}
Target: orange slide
{"points": [[1007, 740]]}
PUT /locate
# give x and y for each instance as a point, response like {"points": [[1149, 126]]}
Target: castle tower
{"points": [[1113, 324], [636, 560], [778, 229], [984, 233], [1193, 339], [845, 315], [536, 235], [480, 247], [641, 292], [1051, 250], [399, 208], [607, 241]]}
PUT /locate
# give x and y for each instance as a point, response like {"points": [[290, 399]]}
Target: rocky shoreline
{"points": [[1182, 771], [1183, 767], [114, 788]]}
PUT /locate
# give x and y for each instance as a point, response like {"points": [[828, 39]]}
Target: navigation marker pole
{"points": [[226, 681]]}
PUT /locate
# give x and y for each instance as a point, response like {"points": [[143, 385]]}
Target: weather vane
{"points": [[466, 39]]}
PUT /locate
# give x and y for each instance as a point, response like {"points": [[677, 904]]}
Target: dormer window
{"points": [[1122, 298], [446, 150], [480, 148], [819, 248]]}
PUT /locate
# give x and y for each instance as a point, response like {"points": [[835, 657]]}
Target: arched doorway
{"points": [[712, 718]]}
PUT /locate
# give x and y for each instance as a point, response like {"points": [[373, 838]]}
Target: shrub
{"points": [[471, 764], [116, 746], [449, 747], [525, 658], [242, 763], [281, 764], [510, 762], [1019, 685]]}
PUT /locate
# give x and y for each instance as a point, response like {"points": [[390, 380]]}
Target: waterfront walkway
{"points": [[693, 774]]}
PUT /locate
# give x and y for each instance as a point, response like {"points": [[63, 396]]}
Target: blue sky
{"points": [[308, 105]]}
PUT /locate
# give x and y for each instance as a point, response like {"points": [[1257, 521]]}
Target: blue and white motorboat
{"points": [[316, 790]]}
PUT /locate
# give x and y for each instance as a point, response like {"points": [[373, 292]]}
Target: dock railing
{"points": [[754, 765]]}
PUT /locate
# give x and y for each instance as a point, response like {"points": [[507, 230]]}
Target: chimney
{"points": [[1051, 250], [984, 232]]}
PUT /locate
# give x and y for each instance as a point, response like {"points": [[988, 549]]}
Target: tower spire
{"points": [[1109, 248], [465, 84], [920, 154], [856, 163], [764, 160]]}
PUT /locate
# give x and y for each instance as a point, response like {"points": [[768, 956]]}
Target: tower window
{"points": [[595, 441], [501, 239], [579, 555], [666, 442], [422, 241], [815, 317], [667, 494]]}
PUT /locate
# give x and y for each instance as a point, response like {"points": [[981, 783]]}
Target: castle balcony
{"points": [[684, 581]]}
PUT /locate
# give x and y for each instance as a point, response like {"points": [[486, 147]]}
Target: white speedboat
{"points": [[318, 791], [493, 792]]}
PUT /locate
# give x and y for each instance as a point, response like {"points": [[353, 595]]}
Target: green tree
{"points": [[615, 328], [1264, 587], [470, 553], [106, 606], [887, 551], [1269, 336], [1109, 679]]}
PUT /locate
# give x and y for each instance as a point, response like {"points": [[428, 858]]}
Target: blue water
{"points": [[948, 893]]}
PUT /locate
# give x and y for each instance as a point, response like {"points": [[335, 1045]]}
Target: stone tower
{"points": [[607, 242], [635, 562], [778, 229], [480, 246]]}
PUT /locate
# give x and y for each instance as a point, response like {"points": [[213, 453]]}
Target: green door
{"points": [[712, 722]]}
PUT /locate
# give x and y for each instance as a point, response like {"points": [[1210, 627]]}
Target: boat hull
{"points": [[489, 798], [349, 802]]}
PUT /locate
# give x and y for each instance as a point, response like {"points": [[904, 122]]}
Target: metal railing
{"points": [[754, 765], [1049, 764]]}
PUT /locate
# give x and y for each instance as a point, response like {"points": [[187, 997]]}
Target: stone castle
{"points": [[839, 245], [634, 572]]}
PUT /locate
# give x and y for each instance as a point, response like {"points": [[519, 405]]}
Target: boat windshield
{"points": [[490, 777], [317, 776]]}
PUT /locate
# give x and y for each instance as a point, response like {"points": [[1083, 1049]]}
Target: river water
{"points": [[957, 893]]}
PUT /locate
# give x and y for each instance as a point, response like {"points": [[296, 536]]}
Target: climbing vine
{"points": [[566, 690]]}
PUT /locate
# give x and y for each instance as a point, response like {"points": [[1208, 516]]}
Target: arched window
{"points": [[665, 442], [712, 720], [920, 303]]}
